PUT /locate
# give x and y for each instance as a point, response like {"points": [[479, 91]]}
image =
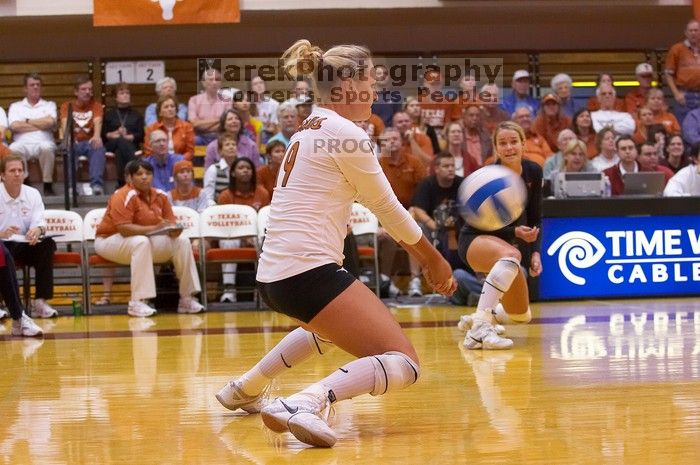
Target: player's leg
{"points": [[248, 391], [516, 302], [501, 260], [359, 323]]}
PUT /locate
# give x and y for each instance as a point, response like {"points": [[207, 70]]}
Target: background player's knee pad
{"points": [[503, 273], [322, 346], [393, 371]]}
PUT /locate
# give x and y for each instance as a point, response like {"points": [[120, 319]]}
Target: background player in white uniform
{"points": [[330, 163]]}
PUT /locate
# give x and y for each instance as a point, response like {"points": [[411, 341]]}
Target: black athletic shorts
{"points": [[303, 296]]}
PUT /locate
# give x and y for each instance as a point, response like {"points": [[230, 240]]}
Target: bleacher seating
{"points": [[582, 66]]}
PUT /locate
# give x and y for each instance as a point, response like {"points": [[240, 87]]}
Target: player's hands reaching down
{"points": [[527, 233], [535, 264], [438, 273]]}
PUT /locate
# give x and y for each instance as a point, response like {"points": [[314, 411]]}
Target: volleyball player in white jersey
{"points": [[329, 164]]}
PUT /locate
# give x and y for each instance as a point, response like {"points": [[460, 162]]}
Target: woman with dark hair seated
{"points": [[243, 189], [129, 234], [675, 154]]}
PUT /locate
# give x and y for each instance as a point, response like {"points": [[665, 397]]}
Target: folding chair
{"points": [[363, 222], [189, 218], [67, 228], [229, 222], [93, 260], [263, 218]]}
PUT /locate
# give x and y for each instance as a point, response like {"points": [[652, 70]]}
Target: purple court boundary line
{"points": [[288, 328]]}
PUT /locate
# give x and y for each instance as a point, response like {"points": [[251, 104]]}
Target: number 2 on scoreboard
{"points": [[289, 161]]}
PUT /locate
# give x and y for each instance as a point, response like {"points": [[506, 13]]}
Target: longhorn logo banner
{"points": [[164, 12]]}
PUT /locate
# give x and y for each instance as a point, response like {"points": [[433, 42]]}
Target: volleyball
{"points": [[492, 197]]}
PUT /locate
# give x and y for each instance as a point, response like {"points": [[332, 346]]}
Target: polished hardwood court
{"points": [[593, 382]]}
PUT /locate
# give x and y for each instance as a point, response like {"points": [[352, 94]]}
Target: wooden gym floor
{"points": [[593, 382]]}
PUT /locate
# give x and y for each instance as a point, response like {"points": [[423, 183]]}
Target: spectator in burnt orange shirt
{"points": [[551, 121], [124, 236]]}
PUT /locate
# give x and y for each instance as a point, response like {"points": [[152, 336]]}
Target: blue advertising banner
{"points": [[620, 256]]}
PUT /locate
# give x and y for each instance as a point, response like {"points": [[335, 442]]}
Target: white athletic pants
{"points": [[44, 151], [142, 252]]}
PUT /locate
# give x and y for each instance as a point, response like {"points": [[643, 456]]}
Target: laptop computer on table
{"points": [[644, 183]]}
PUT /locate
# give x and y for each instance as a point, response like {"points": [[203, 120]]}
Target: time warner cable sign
{"points": [[614, 256]]}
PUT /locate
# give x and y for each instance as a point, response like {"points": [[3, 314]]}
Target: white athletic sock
{"points": [[376, 375], [351, 380], [497, 283], [293, 349]]}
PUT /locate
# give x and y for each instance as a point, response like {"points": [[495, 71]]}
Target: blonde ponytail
{"points": [[306, 61], [302, 59]]}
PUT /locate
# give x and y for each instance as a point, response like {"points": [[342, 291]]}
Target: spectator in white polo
{"points": [[32, 121], [620, 121]]}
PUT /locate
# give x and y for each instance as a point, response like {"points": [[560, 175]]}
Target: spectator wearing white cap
{"points": [[636, 98], [561, 85], [520, 95]]}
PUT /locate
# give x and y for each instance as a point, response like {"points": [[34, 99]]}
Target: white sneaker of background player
{"points": [[466, 321], [304, 414], [482, 335], [414, 287]]}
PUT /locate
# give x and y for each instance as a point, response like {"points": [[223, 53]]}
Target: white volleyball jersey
{"points": [[329, 163]]}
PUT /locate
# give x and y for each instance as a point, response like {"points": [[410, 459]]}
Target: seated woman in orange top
{"points": [[243, 188], [267, 174], [582, 125], [657, 104], [644, 123], [180, 132]]}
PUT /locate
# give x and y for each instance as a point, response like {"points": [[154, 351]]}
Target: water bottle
{"points": [[77, 308], [607, 190]]}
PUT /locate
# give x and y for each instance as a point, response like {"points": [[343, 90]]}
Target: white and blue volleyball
{"points": [[492, 197]]}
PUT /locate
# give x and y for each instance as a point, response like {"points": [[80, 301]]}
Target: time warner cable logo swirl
{"points": [[578, 248]]}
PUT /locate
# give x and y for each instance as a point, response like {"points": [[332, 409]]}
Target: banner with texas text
{"points": [[164, 12]]}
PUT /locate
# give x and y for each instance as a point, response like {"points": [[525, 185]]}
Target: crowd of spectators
{"points": [[424, 144]]}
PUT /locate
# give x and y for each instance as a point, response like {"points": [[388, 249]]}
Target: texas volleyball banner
{"points": [[164, 12]]}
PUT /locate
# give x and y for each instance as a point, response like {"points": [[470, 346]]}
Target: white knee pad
{"points": [[322, 346], [503, 273], [393, 371]]}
